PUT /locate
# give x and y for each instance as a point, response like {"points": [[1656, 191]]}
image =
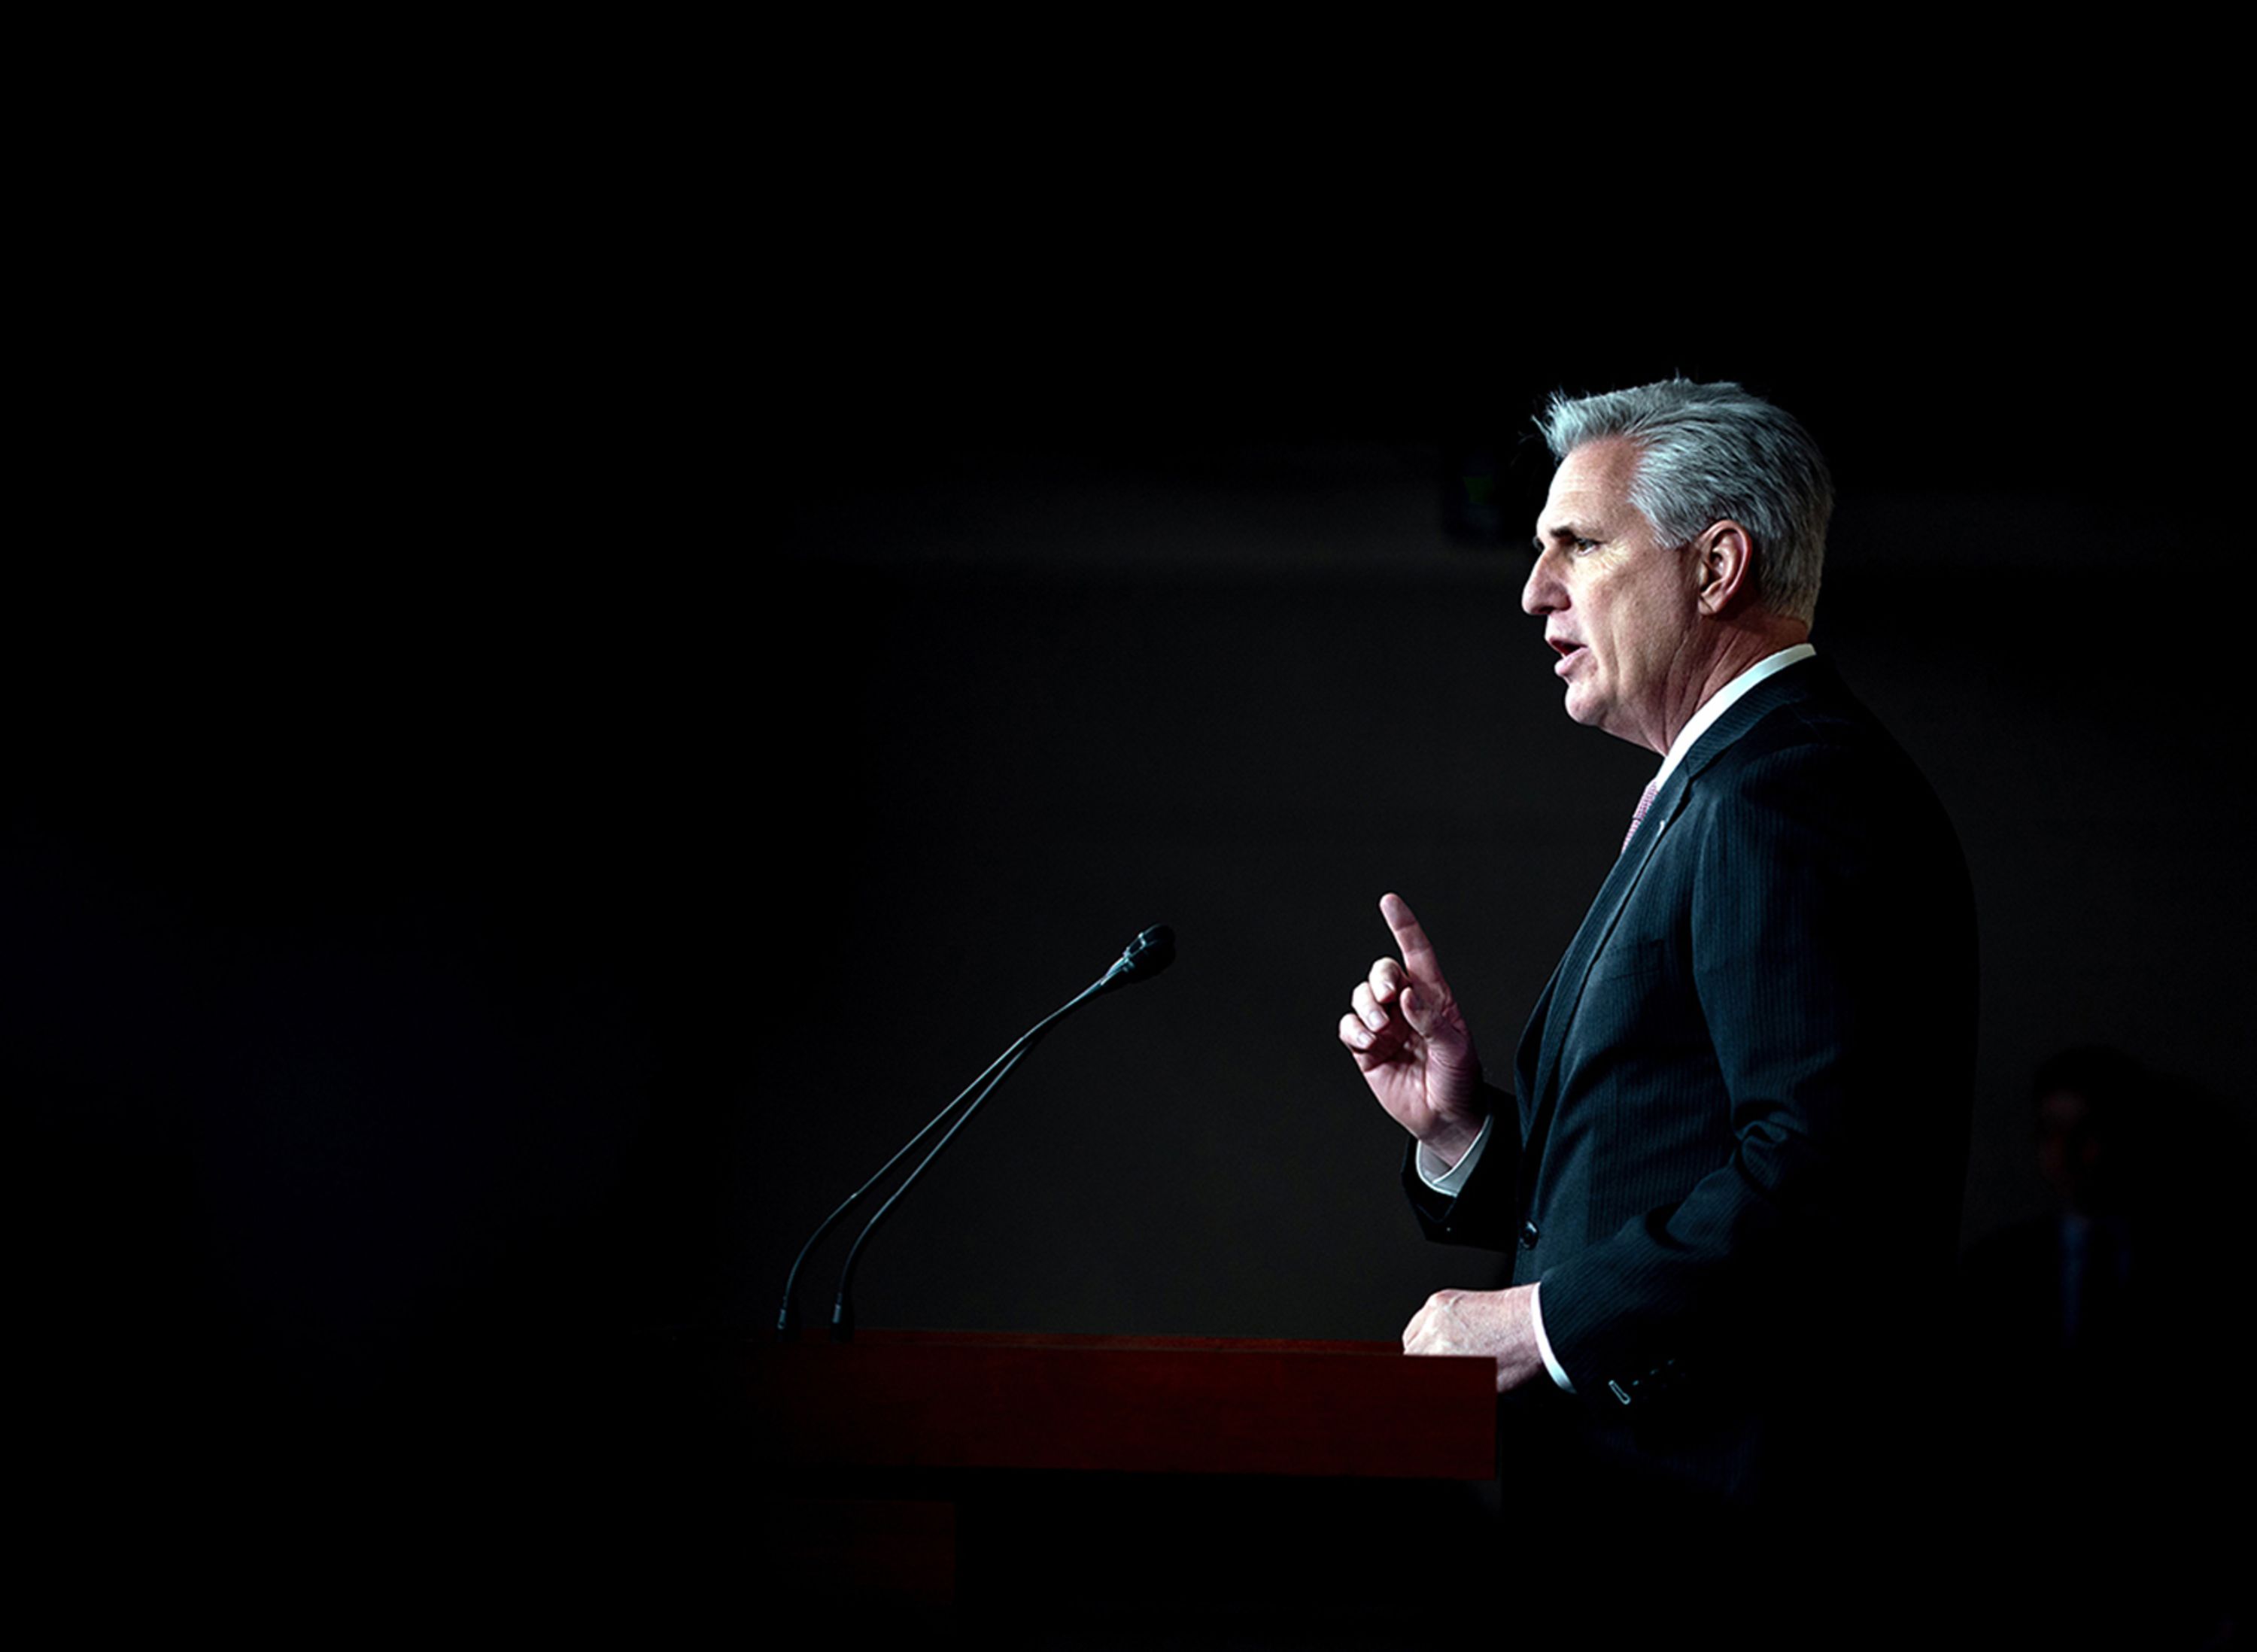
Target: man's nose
{"points": [[1543, 594]]}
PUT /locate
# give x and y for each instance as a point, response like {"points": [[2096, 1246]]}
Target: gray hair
{"points": [[1707, 452]]}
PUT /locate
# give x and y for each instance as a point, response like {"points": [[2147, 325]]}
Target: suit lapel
{"points": [[1567, 988], [1555, 1011]]}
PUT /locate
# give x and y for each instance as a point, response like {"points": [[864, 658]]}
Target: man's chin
{"points": [[1584, 708], [1595, 713]]}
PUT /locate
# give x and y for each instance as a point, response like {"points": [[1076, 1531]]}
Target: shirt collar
{"points": [[1724, 699]]}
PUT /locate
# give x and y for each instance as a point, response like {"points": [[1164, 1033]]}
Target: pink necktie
{"points": [[1645, 802]]}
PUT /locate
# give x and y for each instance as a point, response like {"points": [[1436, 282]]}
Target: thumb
{"points": [[1412, 1003], [1433, 1022]]}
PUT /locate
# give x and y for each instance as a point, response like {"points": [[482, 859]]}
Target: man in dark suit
{"points": [[1732, 1149]]}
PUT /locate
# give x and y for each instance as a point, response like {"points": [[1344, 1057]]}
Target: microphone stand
{"points": [[1146, 955]]}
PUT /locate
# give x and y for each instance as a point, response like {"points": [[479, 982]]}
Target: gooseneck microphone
{"points": [[1150, 952]]}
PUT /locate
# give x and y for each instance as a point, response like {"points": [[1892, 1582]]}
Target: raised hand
{"points": [[1412, 1044]]}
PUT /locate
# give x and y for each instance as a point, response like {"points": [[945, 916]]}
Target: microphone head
{"points": [[1142, 958], [1150, 952]]}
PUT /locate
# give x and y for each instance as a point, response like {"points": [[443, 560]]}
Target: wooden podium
{"points": [[873, 1449], [954, 1400]]}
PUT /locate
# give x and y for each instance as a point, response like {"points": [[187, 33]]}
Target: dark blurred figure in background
{"points": [[2058, 1294], [2106, 1449]]}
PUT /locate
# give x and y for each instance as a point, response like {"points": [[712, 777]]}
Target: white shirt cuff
{"points": [[1449, 1178], [1543, 1342]]}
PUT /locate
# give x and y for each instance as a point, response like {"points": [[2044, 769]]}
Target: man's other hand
{"points": [[1501, 1324]]}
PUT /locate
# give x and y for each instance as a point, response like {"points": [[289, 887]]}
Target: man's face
{"points": [[1619, 609]]}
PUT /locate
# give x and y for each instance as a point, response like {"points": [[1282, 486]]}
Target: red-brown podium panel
{"points": [[881, 1451], [1153, 1405]]}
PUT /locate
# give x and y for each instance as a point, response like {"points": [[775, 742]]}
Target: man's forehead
{"points": [[1590, 489]]}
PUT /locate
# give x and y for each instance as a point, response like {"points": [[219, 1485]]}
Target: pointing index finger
{"points": [[1417, 951]]}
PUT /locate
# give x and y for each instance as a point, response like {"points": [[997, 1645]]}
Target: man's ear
{"points": [[1726, 575]]}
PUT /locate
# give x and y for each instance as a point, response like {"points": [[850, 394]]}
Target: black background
{"points": [[565, 704]]}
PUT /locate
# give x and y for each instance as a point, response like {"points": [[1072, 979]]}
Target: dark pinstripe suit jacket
{"points": [[1742, 1103]]}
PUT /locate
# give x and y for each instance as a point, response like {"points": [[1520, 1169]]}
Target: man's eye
{"points": [[1583, 547]]}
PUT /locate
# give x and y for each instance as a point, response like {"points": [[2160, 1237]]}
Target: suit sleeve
{"points": [[1482, 1214], [1819, 887]]}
